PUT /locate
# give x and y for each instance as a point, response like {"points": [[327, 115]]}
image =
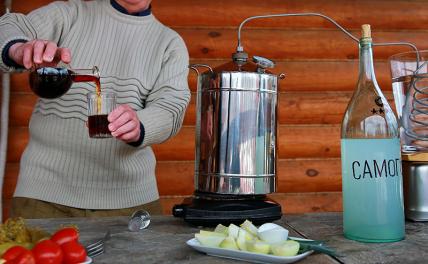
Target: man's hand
{"points": [[38, 53], [124, 124]]}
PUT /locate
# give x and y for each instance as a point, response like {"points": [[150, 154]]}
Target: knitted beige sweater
{"points": [[141, 60]]}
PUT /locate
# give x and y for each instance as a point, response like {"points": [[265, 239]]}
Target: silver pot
{"points": [[236, 128], [415, 185]]}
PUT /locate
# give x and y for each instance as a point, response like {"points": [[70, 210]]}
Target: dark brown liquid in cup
{"points": [[98, 125]]}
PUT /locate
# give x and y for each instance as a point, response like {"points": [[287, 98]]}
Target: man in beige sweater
{"points": [[64, 173]]}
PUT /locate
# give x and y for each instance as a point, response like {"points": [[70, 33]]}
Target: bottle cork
{"points": [[366, 31]]}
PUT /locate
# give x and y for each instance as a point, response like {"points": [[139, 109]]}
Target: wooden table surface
{"points": [[328, 227], [165, 240]]}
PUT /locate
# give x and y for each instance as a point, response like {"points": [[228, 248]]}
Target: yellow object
{"points": [[248, 226], [229, 243], [14, 232], [246, 238], [366, 31], [420, 156], [210, 241], [211, 233], [258, 247], [98, 104], [287, 249]]}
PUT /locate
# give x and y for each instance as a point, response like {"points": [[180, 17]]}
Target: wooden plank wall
{"points": [[321, 65]]}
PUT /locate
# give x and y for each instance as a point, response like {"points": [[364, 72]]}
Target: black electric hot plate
{"points": [[207, 209]]}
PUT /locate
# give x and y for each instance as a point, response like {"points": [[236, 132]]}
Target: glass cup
{"points": [[99, 106], [139, 220], [409, 72]]}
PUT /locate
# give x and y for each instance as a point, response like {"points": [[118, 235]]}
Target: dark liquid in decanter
{"points": [[49, 82]]}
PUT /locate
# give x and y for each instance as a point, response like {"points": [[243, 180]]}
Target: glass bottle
{"points": [[373, 209], [50, 82]]}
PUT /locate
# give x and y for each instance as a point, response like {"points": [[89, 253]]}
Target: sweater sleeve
{"points": [[51, 22], [166, 105]]}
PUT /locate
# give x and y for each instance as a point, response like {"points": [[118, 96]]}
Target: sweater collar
{"points": [[121, 9]]}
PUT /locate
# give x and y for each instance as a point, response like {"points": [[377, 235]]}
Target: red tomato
{"points": [[13, 252], [65, 235], [24, 258], [73, 252], [18, 255], [47, 252]]}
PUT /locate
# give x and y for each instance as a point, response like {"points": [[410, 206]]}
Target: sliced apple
{"points": [[258, 247], [241, 242], [287, 249], [229, 243], [248, 226], [221, 229], [243, 238], [209, 240], [211, 233], [233, 231], [247, 235]]}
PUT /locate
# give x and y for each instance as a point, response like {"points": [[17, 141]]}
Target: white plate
{"points": [[244, 255], [87, 260]]}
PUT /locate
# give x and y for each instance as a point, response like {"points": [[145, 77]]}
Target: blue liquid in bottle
{"points": [[373, 209], [372, 190]]}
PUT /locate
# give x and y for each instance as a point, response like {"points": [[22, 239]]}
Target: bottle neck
{"points": [[366, 61]]}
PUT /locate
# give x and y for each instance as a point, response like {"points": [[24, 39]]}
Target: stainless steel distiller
{"points": [[236, 129]]}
